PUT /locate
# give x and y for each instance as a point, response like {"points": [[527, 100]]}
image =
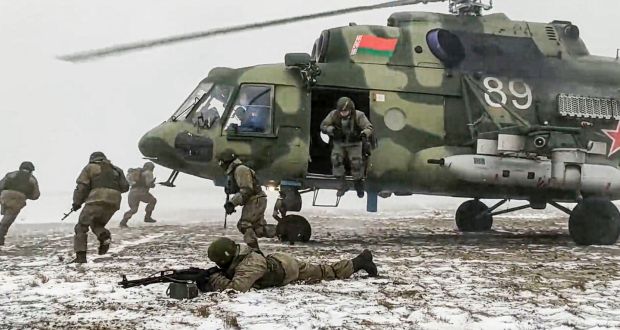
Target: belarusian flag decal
{"points": [[371, 45]]}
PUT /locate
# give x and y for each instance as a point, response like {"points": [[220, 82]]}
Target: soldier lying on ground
{"points": [[244, 268]]}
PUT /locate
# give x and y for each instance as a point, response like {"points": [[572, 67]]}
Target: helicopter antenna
{"points": [[133, 46], [469, 7]]}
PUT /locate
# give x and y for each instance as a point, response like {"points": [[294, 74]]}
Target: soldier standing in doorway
{"points": [[348, 128], [99, 187], [15, 188], [141, 181]]}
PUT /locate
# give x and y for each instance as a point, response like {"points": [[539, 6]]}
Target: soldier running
{"points": [[246, 191], [244, 268], [99, 185], [347, 128], [15, 188], [139, 192]]}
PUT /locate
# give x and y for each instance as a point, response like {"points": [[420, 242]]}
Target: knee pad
{"points": [[243, 226]]}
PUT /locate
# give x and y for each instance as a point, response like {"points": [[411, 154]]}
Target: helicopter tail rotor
{"points": [[134, 46]]}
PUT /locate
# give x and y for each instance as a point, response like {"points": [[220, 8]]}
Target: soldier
{"points": [[15, 188], [139, 192], [246, 191], [348, 128], [244, 268], [100, 185]]}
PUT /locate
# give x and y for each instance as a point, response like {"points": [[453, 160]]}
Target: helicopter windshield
{"points": [[189, 103], [210, 106]]}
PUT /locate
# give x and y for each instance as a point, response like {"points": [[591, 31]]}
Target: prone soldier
{"points": [[142, 181], [99, 186], [348, 128], [247, 192], [244, 268], [15, 188]]}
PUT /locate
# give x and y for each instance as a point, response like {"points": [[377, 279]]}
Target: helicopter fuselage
{"points": [[464, 106]]}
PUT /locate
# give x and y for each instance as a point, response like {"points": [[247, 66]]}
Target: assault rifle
{"points": [[184, 283]]}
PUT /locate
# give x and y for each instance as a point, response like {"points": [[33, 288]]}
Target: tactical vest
{"points": [[274, 276], [20, 182], [108, 178], [354, 134], [232, 187]]}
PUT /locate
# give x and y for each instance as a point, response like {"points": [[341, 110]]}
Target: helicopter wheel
{"points": [[471, 216], [294, 228], [594, 221]]}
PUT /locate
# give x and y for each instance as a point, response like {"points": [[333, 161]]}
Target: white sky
{"points": [[55, 113]]}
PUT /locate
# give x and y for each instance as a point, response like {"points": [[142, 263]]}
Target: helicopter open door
{"points": [[323, 101]]}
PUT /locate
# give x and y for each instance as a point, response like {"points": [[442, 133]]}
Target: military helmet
{"points": [[344, 103], [226, 157], [97, 156], [28, 166], [148, 166], [222, 251]]}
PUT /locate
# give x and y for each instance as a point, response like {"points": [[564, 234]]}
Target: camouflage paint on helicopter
{"points": [[469, 106]]}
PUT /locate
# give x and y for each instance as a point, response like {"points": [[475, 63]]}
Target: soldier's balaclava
{"points": [[27, 166], [345, 106]]}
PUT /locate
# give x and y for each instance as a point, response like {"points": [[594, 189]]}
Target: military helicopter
{"points": [[463, 104]]}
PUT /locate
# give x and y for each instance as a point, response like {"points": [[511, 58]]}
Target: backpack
{"points": [[134, 175]]}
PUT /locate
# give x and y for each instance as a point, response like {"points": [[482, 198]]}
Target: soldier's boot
{"points": [[1, 241], [364, 261], [104, 246], [270, 231], [148, 218], [359, 188], [123, 224], [343, 187], [80, 258]]}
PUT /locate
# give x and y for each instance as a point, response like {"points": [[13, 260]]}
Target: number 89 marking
{"points": [[521, 92]]}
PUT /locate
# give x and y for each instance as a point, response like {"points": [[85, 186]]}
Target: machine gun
{"points": [[184, 283]]}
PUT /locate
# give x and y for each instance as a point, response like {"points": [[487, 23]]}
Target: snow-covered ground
{"points": [[526, 274]]}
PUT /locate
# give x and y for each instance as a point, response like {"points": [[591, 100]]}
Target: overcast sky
{"points": [[55, 113]]}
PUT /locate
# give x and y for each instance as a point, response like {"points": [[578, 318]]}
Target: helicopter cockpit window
{"points": [[191, 101], [251, 112], [210, 107]]}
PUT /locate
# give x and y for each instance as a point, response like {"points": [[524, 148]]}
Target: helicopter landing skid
{"points": [[171, 179]]}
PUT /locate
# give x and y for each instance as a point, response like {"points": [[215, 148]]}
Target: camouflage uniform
{"points": [[15, 188], [244, 186], [140, 193], [346, 133], [100, 185], [251, 269]]}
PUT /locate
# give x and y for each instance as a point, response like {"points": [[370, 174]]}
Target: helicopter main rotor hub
{"points": [[469, 7]]}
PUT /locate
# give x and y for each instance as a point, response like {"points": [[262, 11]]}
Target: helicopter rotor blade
{"points": [[133, 46]]}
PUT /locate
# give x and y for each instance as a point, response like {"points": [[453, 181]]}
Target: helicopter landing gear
{"points": [[594, 221], [474, 216], [293, 228]]}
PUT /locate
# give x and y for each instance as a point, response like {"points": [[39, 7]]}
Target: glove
{"points": [[363, 136], [330, 130], [76, 207], [229, 207]]}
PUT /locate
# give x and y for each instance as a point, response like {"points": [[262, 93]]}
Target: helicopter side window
{"points": [[251, 112], [210, 107]]}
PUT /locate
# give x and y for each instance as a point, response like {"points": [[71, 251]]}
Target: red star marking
{"points": [[614, 135]]}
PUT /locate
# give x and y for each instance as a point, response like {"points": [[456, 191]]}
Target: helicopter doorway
{"points": [[323, 100]]}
